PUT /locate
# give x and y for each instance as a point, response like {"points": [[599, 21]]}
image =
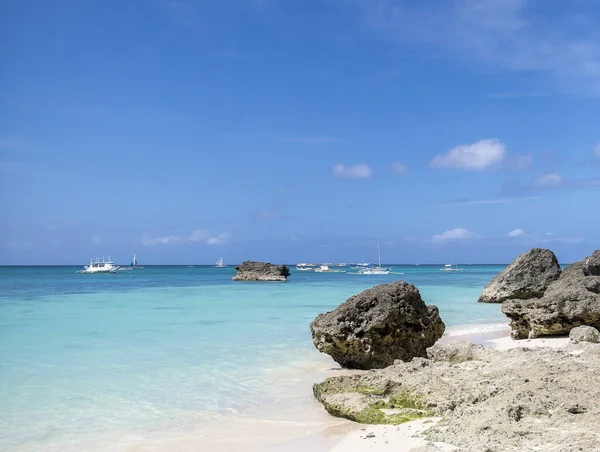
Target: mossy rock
{"points": [[345, 397]]}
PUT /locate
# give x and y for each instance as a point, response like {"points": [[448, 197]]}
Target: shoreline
{"points": [[291, 419], [403, 437]]}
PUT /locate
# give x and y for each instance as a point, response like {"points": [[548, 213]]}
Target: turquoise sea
{"points": [[90, 357]]}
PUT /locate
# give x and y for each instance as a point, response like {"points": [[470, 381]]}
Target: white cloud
{"points": [[516, 232], [597, 150], [202, 235], [564, 240], [548, 180], [197, 236], [310, 140], [522, 162], [360, 171], [398, 168], [453, 234], [472, 157], [474, 202], [148, 240], [560, 47]]}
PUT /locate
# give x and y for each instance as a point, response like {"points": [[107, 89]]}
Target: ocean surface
{"points": [[102, 357]]}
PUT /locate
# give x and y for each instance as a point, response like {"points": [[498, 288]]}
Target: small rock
{"points": [[371, 435], [455, 352], [576, 409], [585, 334]]}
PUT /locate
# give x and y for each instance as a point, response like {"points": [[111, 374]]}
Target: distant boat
{"points": [[220, 263], [325, 269], [100, 267], [135, 263], [379, 270], [451, 268]]}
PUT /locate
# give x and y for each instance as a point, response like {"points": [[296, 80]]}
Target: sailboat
{"points": [[135, 263], [220, 263], [379, 270]]}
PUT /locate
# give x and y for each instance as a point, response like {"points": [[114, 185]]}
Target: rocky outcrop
{"points": [[591, 265], [489, 400], [526, 277], [374, 328], [570, 301], [261, 271], [585, 334]]}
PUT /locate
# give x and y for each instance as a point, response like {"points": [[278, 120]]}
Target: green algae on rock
{"points": [[347, 397], [524, 399]]}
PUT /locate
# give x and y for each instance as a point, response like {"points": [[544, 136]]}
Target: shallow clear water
{"points": [[161, 346]]}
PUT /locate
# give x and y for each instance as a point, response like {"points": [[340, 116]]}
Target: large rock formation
{"points": [[526, 277], [372, 329], [526, 399], [261, 271], [570, 301]]}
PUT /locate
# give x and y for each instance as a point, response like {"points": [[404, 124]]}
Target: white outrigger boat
{"points": [[305, 267], [325, 269], [451, 268], [379, 270], [220, 263], [100, 266]]}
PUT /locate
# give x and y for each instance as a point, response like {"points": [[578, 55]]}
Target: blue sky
{"points": [[186, 130]]}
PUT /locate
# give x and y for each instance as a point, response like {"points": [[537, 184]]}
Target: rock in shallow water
{"points": [[261, 271], [570, 301], [526, 277], [585, 334], [374, 328]]}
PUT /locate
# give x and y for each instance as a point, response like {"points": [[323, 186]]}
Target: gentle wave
{"points": [[467, 330], [169, 350]]}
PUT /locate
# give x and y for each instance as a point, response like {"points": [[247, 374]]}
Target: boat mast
{"points": [[378, 255]]}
